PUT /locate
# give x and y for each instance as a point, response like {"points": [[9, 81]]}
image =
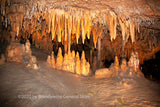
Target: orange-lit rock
{"points": [[124, 66], [134, 61], [78, 64], [33, 63], [27, 47], [84, 69], [116, 63], [103, 73], [51, 60], [65, 63], [72, 62], [132, 31], [14, 52], [59, 59], [2, 59]]}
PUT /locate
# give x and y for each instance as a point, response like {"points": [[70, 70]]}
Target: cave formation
{"points": [[103, 33], [84, 36]]}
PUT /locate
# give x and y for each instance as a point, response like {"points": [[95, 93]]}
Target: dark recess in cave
{"points": [[151, 68]]}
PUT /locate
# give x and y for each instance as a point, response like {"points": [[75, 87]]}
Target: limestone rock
{"points": [[78, 64], [134, 61], [59, 59], [84, 68], [124, 65], [116, 63], [2, 60], [33, 63], [27, 48], [65, 63], [14, 52], [101, 73], [72, 62]]}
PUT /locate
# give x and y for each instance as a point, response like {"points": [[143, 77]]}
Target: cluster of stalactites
{"points": [[127, 28], [70, 62], [64, 24]]}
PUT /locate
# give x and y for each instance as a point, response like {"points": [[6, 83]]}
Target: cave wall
{"points": [[120, 28]]}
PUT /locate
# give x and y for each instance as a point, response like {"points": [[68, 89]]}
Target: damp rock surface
{"points": [[50, 87]]}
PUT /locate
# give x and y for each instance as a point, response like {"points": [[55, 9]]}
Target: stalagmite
{"points": [[124, 65], [72, 62], [116, 63], [52, 60], [59, 59], [65, 62], [49, 59], [132, 31], [78, 64], [134, 61], [87, 69], [83, 64], [27, 48]]}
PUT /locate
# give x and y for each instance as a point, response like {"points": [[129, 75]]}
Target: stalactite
{"points": [[49, 24], [95, 37], [132, 31], [123, 27], [89, 25], [59, 28], [83, 30], [53, 25], [66, 33], [69, 32], [111, 20], [78, 29], [74, 25]]}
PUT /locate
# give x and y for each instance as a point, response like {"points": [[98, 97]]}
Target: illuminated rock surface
{"points": [[122, 33], [64, 89]]}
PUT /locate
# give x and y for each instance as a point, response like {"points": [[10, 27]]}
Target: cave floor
{"points": [[20, 86]]}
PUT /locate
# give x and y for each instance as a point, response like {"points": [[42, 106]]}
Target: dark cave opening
{"points": [[151, 68]]}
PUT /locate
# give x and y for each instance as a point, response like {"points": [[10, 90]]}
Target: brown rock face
{"points": [[2, 59], [14, 52], [20, 53], [114, 28]]}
